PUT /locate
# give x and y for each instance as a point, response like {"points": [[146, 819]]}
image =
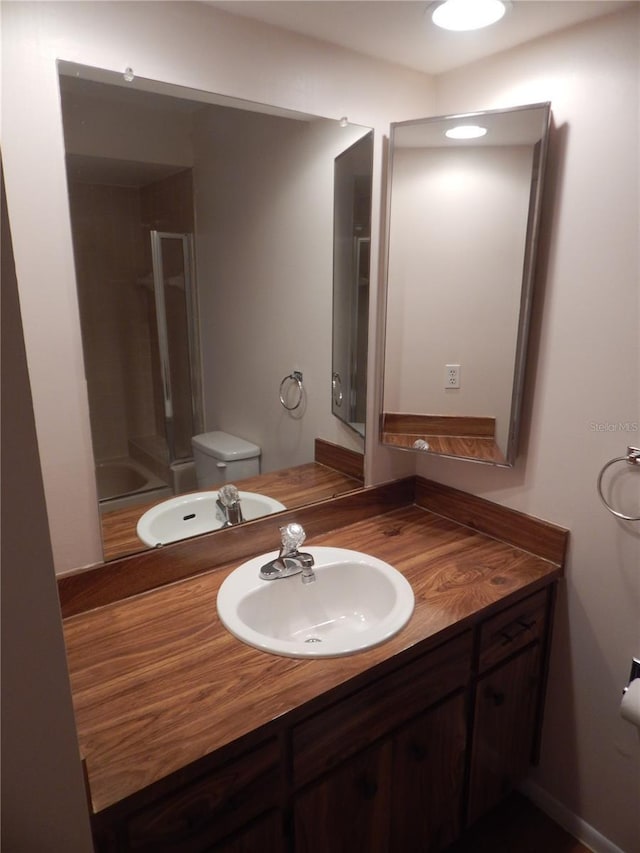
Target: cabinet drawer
{"points": [[512, 629], [350, 725], [195, 816]]}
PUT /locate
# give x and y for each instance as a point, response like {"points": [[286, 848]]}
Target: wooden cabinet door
{"points": [[348, 810], [195, 817], [428, 779], [503, 730]]}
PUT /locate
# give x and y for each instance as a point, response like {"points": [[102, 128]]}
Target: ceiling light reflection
{"points": [[460, 15], [466, 131]]}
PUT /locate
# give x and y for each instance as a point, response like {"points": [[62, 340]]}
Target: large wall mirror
{"points": [[203, 243], [464, 206]]}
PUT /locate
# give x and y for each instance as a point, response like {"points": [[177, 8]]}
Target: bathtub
{"points": [[124, 482]]}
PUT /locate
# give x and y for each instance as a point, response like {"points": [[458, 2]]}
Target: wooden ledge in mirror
{"points": [[463, 437], [335, 471]]}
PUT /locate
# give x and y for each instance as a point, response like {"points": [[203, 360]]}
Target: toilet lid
{"points": [[224, 446]]}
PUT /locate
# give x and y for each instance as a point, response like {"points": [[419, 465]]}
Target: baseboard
{"points": [[558, 812]]}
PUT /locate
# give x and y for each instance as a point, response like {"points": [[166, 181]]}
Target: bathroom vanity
{"points": [[194, 741]]}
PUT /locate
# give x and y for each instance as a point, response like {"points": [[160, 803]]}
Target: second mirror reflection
{"points": [[463, 223]]}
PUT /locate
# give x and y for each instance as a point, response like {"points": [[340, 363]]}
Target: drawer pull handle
{"points": [[521, 627]]}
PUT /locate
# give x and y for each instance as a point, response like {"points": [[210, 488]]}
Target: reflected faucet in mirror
{"points": [[463, 224], [228, 502]]}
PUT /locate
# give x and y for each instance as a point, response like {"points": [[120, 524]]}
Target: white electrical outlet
{"points": [[452, 376]]}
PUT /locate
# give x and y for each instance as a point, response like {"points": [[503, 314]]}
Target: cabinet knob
{"points": [[368, 787], [417, 751], [496, 696]]}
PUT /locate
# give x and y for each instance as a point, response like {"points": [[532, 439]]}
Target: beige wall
{"points": [[583, 386], [264, 212], [44, 804], [122, 130], [215, 52]]}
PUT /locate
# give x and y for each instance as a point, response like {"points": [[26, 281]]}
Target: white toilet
{"points": [[222, 458]]}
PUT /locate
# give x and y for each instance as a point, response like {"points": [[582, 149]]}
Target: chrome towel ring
{"points": [[336, 388], [296, 377], [632, 458]]}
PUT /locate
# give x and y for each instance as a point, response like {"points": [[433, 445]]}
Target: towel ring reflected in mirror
{"points": [[336, 389], [296, 377]]}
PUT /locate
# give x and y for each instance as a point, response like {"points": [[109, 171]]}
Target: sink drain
{"points": [[313, 640]]}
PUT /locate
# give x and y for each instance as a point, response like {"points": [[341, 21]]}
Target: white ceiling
{"points": [[399, 30]]}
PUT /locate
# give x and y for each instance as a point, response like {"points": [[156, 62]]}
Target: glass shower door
{"points": [[176, 320]]}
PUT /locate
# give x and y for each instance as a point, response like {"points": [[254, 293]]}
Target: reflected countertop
{"points": [[293, 487]]}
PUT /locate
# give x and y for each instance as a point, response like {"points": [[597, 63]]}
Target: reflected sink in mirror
{"points": [[356, 602], [190, 515]]}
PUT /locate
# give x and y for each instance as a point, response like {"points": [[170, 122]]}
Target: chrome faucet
{"points": [[228, 502], [290, 561]]}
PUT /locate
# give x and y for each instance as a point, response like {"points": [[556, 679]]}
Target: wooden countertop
{"points": [[158, 682]]}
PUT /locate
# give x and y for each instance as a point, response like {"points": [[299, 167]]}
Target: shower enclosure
{"points": [[139, 321], [177, 341], [162, 404]]}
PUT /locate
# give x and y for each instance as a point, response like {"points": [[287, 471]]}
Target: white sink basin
{"points": [[190, 515], [356, 602]]}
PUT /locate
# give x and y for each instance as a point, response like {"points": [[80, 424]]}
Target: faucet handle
{"points": [[293, 536], [228, 503], [228, 495]]}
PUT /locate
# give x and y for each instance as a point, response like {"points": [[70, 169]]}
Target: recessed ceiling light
{"points": [[463, 15], [466, 131]]}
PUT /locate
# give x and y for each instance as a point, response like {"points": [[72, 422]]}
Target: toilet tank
{"points": [[223, 458]]}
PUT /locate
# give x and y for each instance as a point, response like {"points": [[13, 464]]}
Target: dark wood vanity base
{"points": [[194, 741]]}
